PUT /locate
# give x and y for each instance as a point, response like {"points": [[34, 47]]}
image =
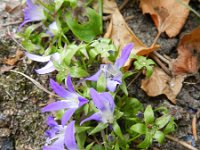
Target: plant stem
{"points": [[181, 142], [104, 138]]}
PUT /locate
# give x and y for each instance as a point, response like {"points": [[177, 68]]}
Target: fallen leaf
{"points": [[160, 83], [121, 35], [4, 69], [168, 15], [188, 61], [109, 6], [13, 60]]}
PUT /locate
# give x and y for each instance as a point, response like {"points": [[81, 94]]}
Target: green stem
{"points": [[100, 2], [134, 138], [104, 138]]}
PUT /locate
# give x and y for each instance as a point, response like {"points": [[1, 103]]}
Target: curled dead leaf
{"points": [[160, 83], [109, 6], [188, 60], [13, 60], [168, 15], [121, 35]]}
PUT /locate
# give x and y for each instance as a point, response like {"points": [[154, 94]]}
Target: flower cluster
{"points": [[71, 101]]}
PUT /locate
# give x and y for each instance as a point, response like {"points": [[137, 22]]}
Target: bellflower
{"points": [[59, 136], [105, 104], [49, 67], [32, 13], [53, 29], [112, 72], [71, 100]]}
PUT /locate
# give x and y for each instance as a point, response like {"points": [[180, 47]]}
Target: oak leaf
{"points": [[188, 61], [121, 35], [168, 15], [161, 83]]}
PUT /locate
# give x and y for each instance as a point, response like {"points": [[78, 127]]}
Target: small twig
{"points": [[194, 127], [160, 64], [129, 18], [181, 142], [35, 82], [156, 39], [161, 57], [123, 4], [11, 23], [10, 35], [137, 75]]}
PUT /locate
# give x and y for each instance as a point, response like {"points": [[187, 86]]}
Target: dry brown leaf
{"points": [[4, 69], [168, 15], [109, 6], [160, 83], [121, 35], [188, 60], [13, 60]]}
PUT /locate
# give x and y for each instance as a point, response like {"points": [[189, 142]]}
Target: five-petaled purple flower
{"points": [[32, 13], [105, 104], [59, 136], [112, 72], [71, 100], [49, 67]]}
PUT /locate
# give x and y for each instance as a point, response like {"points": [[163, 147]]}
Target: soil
{"points": [[22, 125]]}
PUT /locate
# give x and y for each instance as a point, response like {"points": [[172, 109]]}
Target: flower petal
{"points": [[96, 116], [37, 57], [57, 145], [51, 122], [111, 85], [109, 98], [67, 115], [69, 84], [82, 101], [95, 76], [60, 90], [97, 99], [124, 55], [49, 67], [56, 106], [70, 140]]}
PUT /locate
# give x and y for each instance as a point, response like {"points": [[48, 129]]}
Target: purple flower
{"points": [[32, 13], [53, 29], [71, 100], [59, 136], [112, 72], [105, 104], [49, 67]]}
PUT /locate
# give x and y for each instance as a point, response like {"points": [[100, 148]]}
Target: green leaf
{"points": [[171, 126], [29, 46], [118, 114], [80, 129], [86, 31], [118, 131], [59, 114], [89, 146], [81, 138], [162, 121], [101, 83], [69, 53], [123, 87], [159, 136], [139, 128], [98, 147], [146, 143], [98, 128], [149, 115], [78, 72]]}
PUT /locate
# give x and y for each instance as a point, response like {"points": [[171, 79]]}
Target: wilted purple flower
{"points": [[112, 72], [32, 13], [59, 136], [71, 100], [105, 104], [49, 67]]}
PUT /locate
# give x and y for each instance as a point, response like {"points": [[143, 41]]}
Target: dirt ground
{"points": [[22, 125]]}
